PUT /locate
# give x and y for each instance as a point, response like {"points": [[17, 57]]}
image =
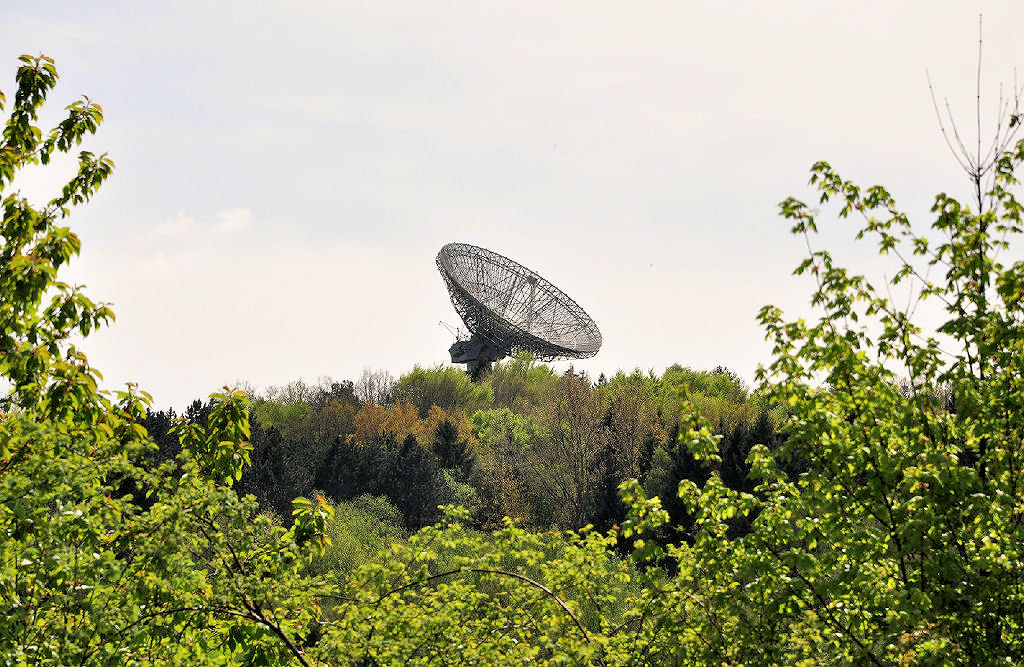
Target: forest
{"points": [[548, 450], [862, 503]]}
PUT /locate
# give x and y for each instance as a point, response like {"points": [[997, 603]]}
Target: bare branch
{"points": [[977, 108], [942, 126], [959, 142]]}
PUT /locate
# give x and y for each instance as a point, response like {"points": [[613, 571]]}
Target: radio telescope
{"points": [[508, 308]]}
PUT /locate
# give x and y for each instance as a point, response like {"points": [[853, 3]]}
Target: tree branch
{"points": [[481, 570]]}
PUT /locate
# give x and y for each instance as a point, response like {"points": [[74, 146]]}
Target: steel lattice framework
{"points": [[513, 308]]}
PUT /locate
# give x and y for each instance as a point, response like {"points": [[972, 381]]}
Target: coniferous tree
{"points": [[453, 452], [413, 483], [672, 463], [267, 478]]}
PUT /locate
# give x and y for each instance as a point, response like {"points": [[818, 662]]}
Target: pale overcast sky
{"points": [[286, 172]]}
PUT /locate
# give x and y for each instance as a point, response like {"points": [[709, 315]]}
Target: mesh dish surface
{"points": [[513, 307]]}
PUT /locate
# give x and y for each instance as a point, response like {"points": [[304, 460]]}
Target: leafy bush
{"points": [[360, 530]]}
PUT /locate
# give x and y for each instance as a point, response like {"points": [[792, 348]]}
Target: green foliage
{"points": [[519, 382], [492, 598], [221, 449], [719, 383], [567, 460], [310, 521], [92, 577], [460, 493], [492, 427], [503, 437], [720, 397], [358, 531], [447, 387], [286, 418], [633, 421], [38, 311]]}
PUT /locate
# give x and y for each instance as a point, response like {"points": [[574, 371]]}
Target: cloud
{"points": [[177, 242], [233, 221], [176, 227]]}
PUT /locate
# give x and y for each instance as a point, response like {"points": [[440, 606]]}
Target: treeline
{"points": [[525, 442]]}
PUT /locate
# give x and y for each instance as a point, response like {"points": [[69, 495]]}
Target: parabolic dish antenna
{"points": [[509, 308]]}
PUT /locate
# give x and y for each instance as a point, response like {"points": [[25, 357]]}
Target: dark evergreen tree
{"points": [[413, 484], [198, 412], [452, 452], [734, 448], [608, 507], [158, 425], [347, 472], [267, 478], [679, 464]]}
